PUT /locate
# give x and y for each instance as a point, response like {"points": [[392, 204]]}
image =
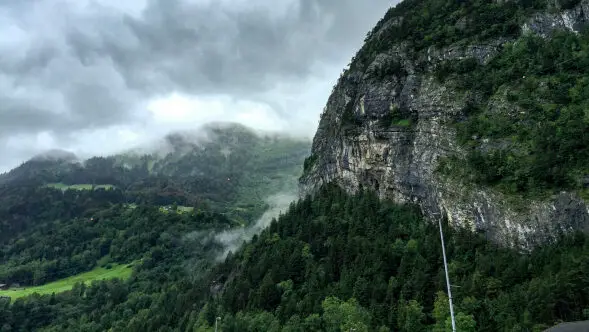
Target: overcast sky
{"points": [[95, 77]]}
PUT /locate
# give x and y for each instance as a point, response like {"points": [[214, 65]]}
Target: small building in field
{"points": [[3, 286]]}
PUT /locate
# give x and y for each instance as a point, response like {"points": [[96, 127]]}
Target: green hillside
{"points": [[232, 171], [332, 263]]}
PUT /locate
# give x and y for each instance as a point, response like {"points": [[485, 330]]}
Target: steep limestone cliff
{"points": [[390, 122]]}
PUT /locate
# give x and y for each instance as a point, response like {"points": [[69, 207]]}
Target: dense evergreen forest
{"points": [[330, 263], [168, 255], [120, 234]]}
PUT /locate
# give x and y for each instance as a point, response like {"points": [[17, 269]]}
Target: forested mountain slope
{"points": [[226, 166], [331, 263], [60, 217], [476, 110]]}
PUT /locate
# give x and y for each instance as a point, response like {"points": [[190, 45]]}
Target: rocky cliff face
{"points": [[357, 146]]}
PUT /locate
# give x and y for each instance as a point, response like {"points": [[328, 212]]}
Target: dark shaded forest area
{"points": [[330, 263]]}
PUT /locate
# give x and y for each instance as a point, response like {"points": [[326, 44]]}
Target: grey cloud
{"points": [[66, 67], [35, 59], [65, 96], [17, 116], [207, 48], [234, 238]]}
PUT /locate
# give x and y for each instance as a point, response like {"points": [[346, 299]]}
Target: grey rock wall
{"points": [[400, 162]]}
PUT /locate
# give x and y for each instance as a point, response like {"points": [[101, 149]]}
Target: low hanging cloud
{"points": [[207, 247], [93, 76], [232, 239], [220, 243]]}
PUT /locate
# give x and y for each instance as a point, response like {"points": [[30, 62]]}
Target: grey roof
{"points": [[571, 327]]}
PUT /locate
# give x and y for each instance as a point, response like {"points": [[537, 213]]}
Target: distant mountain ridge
{"points": [[217, 165], [173, 155]]}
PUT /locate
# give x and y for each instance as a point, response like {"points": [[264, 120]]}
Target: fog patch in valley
{"points": [[206, 248], [233, 239]]}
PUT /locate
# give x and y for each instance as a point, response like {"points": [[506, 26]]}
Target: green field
{"points": [[99, 273], [64, 187]]}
